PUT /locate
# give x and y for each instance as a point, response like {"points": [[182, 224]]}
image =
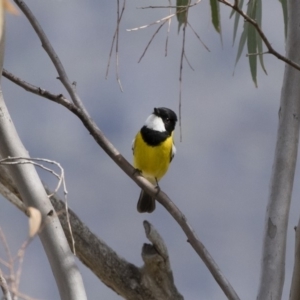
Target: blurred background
{"points": [[220, 175]]}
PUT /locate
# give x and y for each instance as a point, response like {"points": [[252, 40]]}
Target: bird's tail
{"points": [[146, 203]]}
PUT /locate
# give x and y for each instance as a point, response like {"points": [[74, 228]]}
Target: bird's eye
{"points": [[167, 120]]}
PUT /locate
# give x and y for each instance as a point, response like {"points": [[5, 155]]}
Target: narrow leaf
{"points": [[285, 15], [242, 42], [258, 38], [215, 14], [236, 21], [252, 48], [181, 12]]}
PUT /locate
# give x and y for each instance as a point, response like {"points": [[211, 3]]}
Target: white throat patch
{"points": [[155, 123]]}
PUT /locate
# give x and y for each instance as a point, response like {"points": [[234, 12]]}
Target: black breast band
{"points": [[153, 137]]}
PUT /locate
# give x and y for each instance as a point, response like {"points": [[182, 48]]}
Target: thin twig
{"points": [[117, 43], [10, 260], [255, 54], [5, 288], [153, 36], [156, 22], [271, 50], [116, 39], [60, 177], [58, 98], [198, 36], [170, 6], [188, 62], [51, 53], [180, 78], [168, 31]]}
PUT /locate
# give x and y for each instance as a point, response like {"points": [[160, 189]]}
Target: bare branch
{"points": [[146, 185], [271, 50], [121, 276], [116, 38], [153, 36], [198, 37], [116, 156], [4, 288], [180, 77], [170, 6], [51, 53]]}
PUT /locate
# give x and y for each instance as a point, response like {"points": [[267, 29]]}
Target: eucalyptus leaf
{"points": [[258, 38], [236, 21], [242, 42], [215, 14], [252, 51], [285, 15], [181, 12]]}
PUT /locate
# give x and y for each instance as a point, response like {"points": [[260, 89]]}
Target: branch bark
{"points": [[153, 281], [77, 107], [276, 220], [62, 262]]}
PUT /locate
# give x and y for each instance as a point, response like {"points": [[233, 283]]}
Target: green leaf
{"points": [[285, 15], [181, 12], [252, 41], [259, 40], [236, 21], [215, 14], [242, 42]]}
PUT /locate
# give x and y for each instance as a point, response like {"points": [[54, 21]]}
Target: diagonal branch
{"points": [[127, 280], [79, 110], [144, 184], [271, 50]]}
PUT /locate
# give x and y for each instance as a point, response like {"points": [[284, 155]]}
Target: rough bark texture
{"points": [[153, 281]]}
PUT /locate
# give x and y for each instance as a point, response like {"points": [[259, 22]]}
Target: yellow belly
{"points": [[152, 161]]}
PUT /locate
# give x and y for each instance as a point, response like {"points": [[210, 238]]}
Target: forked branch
{"points": [[78, 109]]}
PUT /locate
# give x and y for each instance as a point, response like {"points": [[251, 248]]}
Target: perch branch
{"points": [[116, 156]]}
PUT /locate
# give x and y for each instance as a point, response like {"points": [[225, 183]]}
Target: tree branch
{"points": [[271, 50], [144, 184], [79, 110], [153, 281], [67, 276]]}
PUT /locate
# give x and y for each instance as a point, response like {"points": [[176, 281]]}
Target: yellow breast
{"points": [[152, 161]]}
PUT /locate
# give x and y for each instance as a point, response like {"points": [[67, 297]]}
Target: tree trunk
{"points": [[276, 221]]}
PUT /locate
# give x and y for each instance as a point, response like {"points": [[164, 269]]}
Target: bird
{"points": [[153, 150]]}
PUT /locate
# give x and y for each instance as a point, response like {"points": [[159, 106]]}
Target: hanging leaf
{"points": [[252, 41], [252, 48], [259, 40], [181, 12], [285, 15], [236, 20], [242, 42], [215, 14]]}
